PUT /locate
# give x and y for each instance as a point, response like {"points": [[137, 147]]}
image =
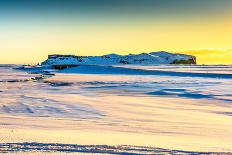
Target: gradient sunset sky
{"points": [[32, 29]]}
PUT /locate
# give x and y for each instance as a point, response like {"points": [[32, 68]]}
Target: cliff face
{"points": [[115, 59], [189, 61]]}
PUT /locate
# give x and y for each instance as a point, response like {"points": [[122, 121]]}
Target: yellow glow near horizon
{"points": [[32, 44], [212, 57]]}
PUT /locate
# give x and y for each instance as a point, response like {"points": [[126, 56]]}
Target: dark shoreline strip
{"points": [[94, 69]]}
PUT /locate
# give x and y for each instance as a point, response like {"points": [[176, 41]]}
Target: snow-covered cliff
{"points": [[115, 59]]}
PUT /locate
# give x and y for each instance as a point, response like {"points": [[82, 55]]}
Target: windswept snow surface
{"points": [[186, 108]]}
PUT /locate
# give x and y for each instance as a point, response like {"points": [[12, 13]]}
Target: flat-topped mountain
{"points": [[115, 59]]}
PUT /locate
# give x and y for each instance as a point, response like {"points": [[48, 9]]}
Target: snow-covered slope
{"points": [[115, 59]]}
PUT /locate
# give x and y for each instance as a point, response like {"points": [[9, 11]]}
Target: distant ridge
{"points": [[152, 58]]}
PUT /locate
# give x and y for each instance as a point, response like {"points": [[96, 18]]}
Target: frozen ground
{"points": [[185, 108]]}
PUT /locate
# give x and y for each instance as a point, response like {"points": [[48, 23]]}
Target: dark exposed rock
{"points": [[60, 67], [189, 61]]}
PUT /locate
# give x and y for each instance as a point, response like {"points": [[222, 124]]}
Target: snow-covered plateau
{"points": [[115, 59]]}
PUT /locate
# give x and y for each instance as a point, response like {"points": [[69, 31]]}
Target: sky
{"points": [[32, 29]]}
